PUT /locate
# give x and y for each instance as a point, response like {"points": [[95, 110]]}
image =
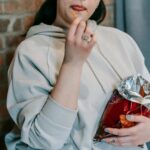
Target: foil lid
{"points": [[136, 89]]}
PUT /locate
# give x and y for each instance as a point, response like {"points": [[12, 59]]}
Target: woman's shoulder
{"points": [[39, 52], [110, 32], [33, 51], [119, 39], [34, 43], [32, 55], [121, 42]]}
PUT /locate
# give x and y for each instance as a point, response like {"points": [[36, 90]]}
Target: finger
{"points": [[131, 144], [88, 30], [124, 141], [80, 30], [137, 118], [73, 27], [120, 141], [92, 36], [93, 41], [124, 131], [128, 144]]}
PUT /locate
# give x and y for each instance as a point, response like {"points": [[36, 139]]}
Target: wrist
{"points": [[71, 69], [74, 64]]}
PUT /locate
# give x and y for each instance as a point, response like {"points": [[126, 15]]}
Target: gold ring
{"points": [[112, 141], [86, 38]]}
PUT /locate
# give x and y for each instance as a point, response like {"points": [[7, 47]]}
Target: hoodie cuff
{"points": [[59, 114]]}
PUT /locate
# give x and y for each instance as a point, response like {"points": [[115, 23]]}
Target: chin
{"points": [[74, 17]]}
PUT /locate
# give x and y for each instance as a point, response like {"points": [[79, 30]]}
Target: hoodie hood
{"points": [[54, 31]]}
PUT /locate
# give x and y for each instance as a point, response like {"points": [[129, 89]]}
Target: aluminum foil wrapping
{"points": [[136, 89], [132, 96]]}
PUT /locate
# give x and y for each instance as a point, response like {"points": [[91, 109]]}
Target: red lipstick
{"points": [[78, 7]]}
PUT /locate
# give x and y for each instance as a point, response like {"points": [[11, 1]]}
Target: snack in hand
{"points": [[132, 96]]}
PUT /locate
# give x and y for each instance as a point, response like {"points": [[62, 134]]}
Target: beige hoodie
{"points": [[42, 123]]}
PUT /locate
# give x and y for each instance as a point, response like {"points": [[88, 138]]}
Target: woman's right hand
{"points": [[77, 49]]}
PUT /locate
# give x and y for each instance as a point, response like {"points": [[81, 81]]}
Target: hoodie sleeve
{"points": [[43, 122], [138, 58]]}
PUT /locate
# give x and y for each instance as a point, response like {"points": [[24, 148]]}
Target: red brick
{"points": [[22, 6], [37, 4], [4, 25], [17, 25], [28, 21], [13, 41]]}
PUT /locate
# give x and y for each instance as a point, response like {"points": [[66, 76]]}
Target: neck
{"points": [[62, 24]]}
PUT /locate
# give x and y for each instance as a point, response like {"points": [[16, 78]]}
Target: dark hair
{"points": [[47, 13]]}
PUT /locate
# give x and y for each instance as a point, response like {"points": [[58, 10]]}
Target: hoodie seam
{"points": [[48, 63]]}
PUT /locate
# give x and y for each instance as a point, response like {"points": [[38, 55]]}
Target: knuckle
{"points": [[76, 20], [134, 118], [117, 132], [82, 24], [133, 131], [144, 118], [134, 140], [135, 143], [119, 141], [141, 127], [94, 41], [84, 46], [74, 23], [88, 30], [76, 43], [70, 39], [121, 133], [91, 44]]}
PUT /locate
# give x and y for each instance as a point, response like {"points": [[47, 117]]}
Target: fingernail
{"points": [[129, 117], [106, 130]]}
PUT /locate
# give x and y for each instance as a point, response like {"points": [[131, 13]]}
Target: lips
{"points": [[78, 7]]}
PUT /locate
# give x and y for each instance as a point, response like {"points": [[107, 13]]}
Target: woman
{"points": [[62, 76]]}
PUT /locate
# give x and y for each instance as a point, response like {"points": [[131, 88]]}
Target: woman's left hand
{"points": [[132, 136]]}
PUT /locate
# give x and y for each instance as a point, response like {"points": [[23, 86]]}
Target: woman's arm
{"points": [[66, 90], [76, 51]]}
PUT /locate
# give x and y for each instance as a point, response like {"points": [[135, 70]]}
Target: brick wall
{"points": [[15, 18]]}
